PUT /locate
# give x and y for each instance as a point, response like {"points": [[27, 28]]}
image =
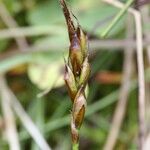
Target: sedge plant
{"points": [[77, 71]]}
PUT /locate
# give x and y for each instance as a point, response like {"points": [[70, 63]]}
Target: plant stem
{"points": [[75, 146], [117, 18]]}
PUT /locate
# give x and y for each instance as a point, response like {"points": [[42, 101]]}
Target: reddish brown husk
{"points": [[70, 82], [78, 110], [75, 55]]}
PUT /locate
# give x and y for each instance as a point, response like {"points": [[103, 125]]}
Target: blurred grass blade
{"points": [[117, 18]]}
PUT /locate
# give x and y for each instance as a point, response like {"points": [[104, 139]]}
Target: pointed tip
{"points": [[69, 21], [63, 5]]}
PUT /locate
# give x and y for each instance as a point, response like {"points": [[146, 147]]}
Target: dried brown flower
{"points": [[77, 71]]}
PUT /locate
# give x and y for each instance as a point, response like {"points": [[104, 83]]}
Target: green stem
{"points": [[75, 146], [117, 18]]}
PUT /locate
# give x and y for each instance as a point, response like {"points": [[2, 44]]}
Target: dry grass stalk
{"points": [[11, 23], [9, 118], [124, 92], [140, 66]]}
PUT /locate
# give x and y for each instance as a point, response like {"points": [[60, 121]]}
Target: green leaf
{"points": [[54, 40], [3, 44], [89, 17], [46, 13], [87, 12], [14, 6]]}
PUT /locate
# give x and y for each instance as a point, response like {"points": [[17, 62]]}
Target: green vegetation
{"points": [[34, 71]]}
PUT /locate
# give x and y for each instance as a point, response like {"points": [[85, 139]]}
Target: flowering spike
{"points": [[77, 72]]}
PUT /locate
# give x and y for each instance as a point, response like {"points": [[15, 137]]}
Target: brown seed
{"points": [[83, 41], [79, 109], [75, 55], [85, 72], [70, 82]]}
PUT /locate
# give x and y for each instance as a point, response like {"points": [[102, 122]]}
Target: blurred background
{"points": [[33, 97]]}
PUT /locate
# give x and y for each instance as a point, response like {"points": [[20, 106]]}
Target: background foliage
{"points": [[31, 72]]}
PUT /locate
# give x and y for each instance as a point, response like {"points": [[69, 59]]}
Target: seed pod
{"points": [[79, 108], [83, 41], [75, 55], [85, 72], [70, 82], [79, 116]]}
